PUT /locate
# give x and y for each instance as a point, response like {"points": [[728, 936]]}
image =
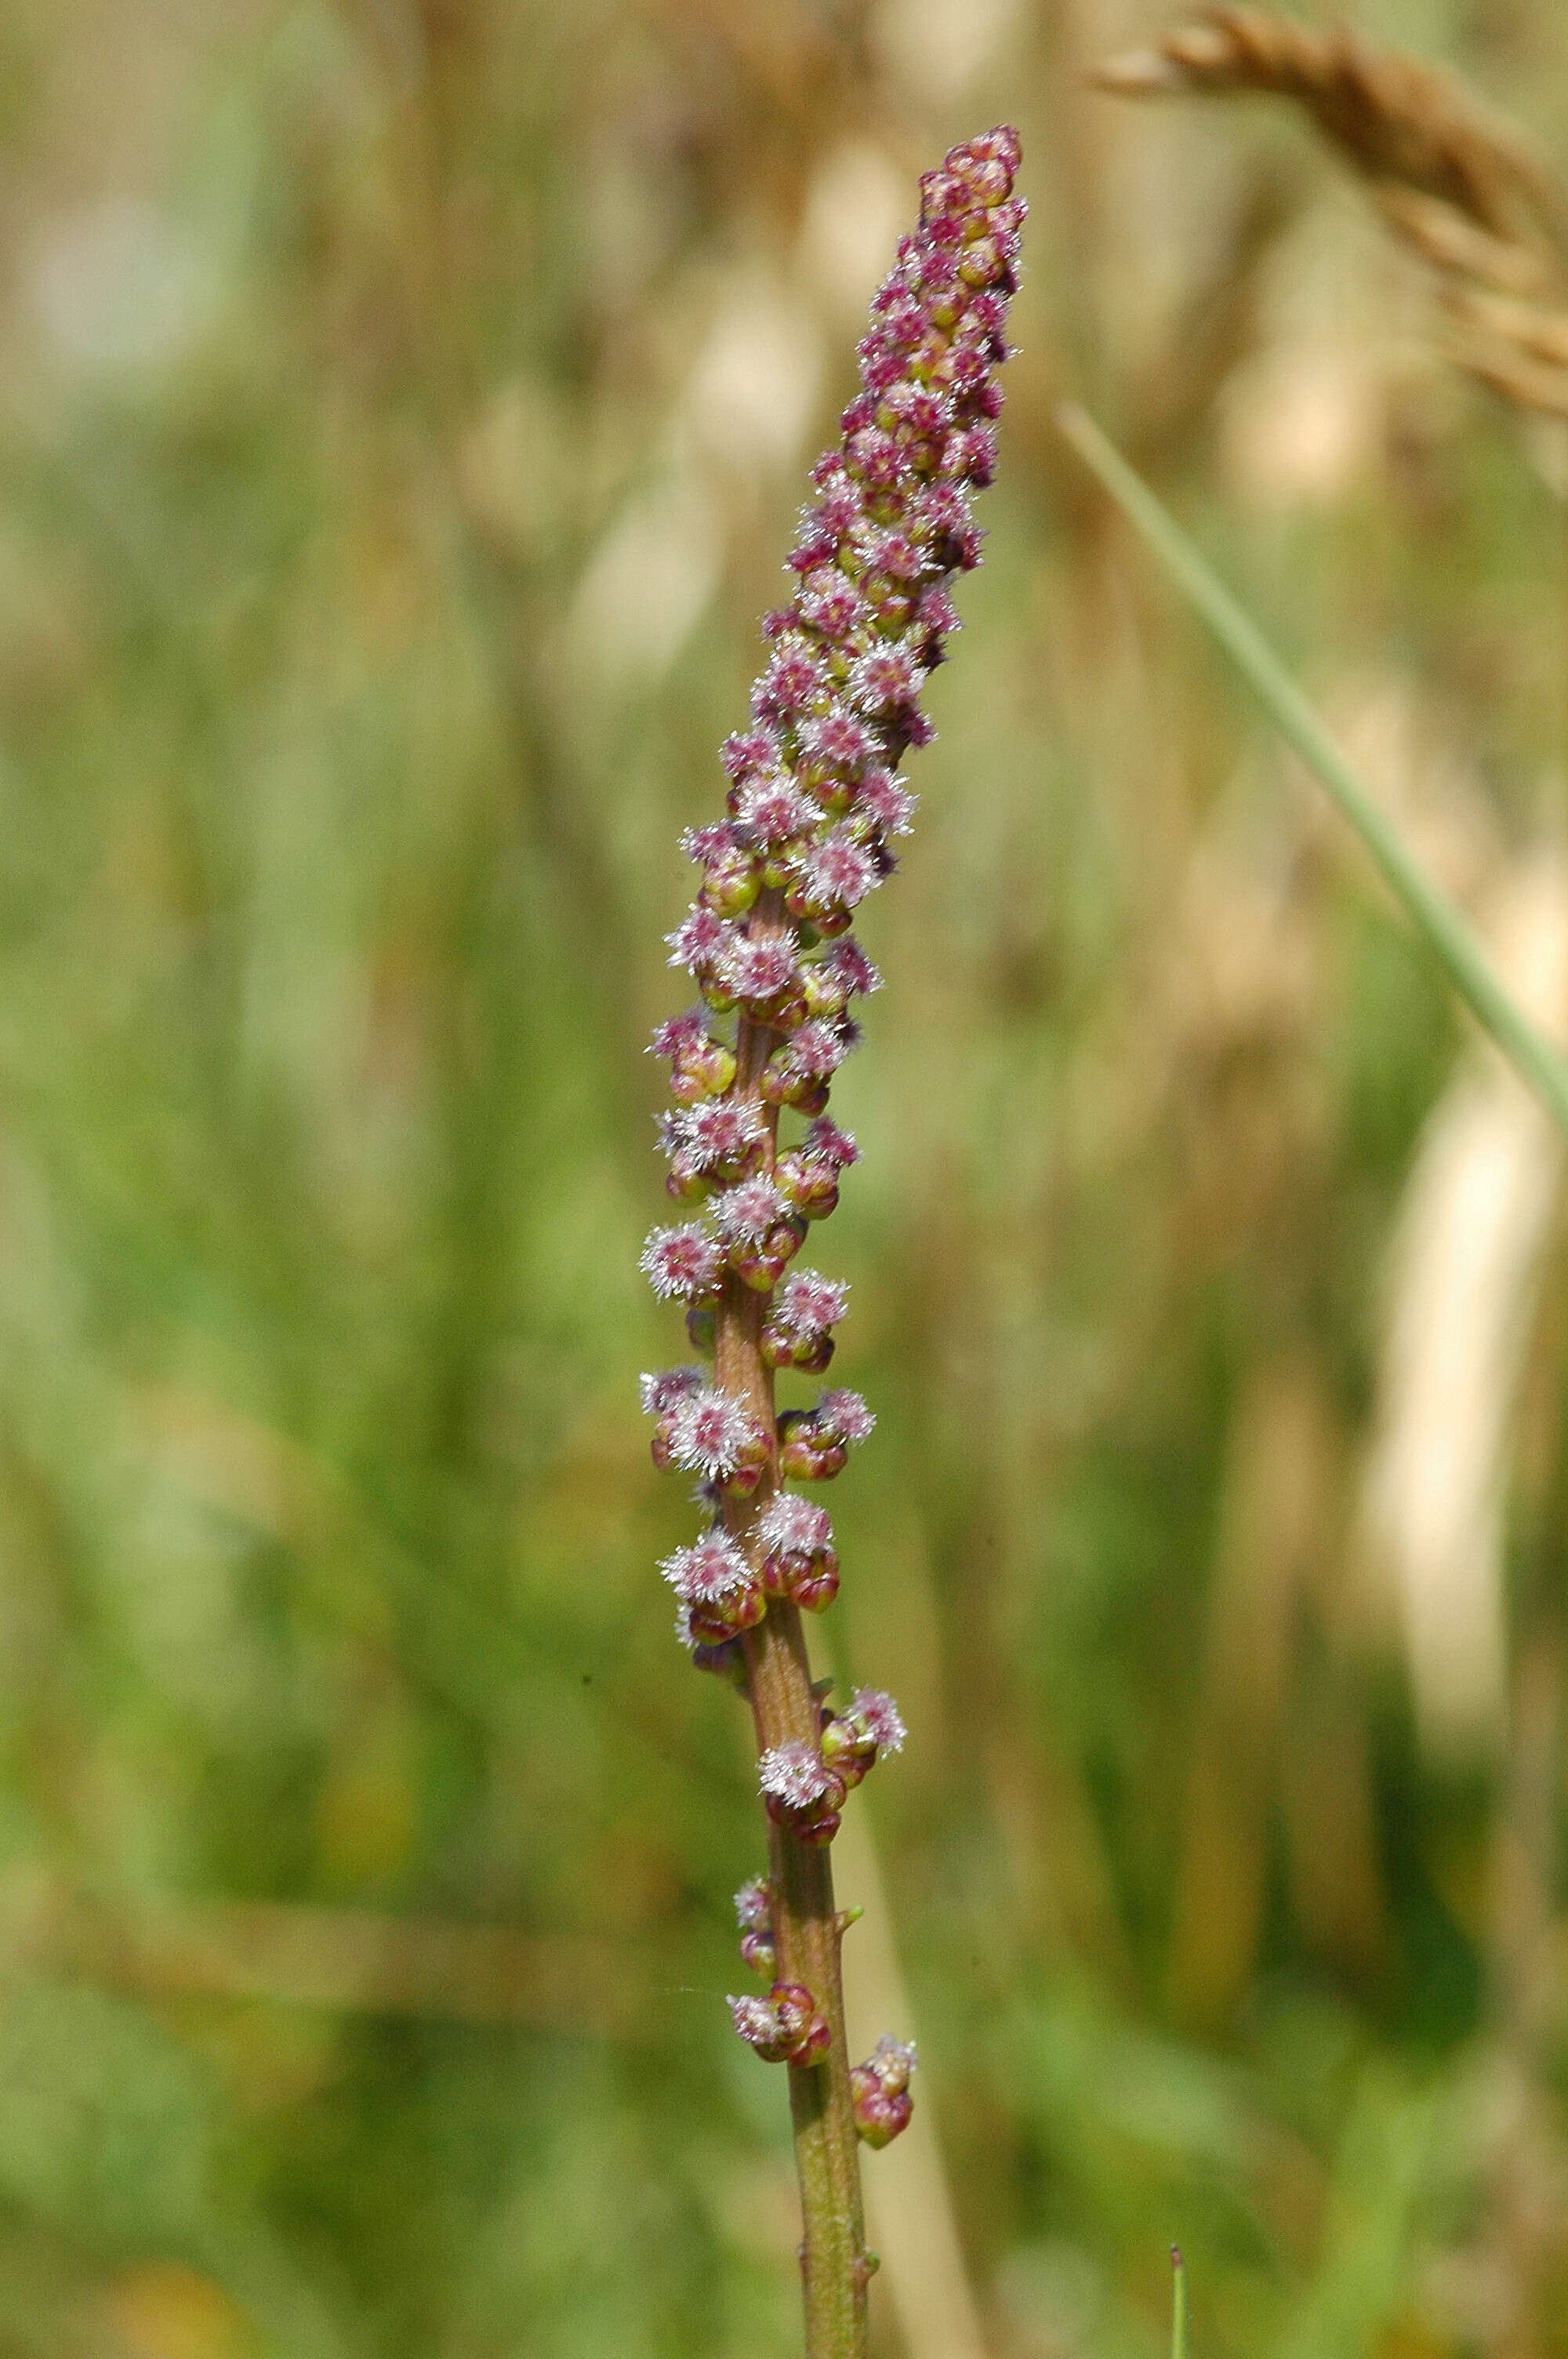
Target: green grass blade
{"points": [[1438, 922], [1180, 2339]]}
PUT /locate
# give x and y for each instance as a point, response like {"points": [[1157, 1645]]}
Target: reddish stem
{"points": [[807, 1929]]}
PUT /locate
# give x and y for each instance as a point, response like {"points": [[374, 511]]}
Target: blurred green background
{"points": [[403, 406]]}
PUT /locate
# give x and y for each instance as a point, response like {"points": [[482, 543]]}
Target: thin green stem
{"points": [[1441, 925], [1181, 2342]]}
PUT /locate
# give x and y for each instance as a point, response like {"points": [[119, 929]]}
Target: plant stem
{"points": [[807, 1927], [1443, 927]]}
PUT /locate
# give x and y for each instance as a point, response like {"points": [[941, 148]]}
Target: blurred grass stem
{"points": [[1181, 2337], [1441, 925]]}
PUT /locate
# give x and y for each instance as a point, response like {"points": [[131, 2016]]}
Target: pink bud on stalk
{"points": [[814, 805], [881, 2086]]}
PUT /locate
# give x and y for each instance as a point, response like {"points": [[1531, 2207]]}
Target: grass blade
{"points": [[1442, 926]]}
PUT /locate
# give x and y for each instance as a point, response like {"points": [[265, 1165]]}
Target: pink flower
{"points": [[662, 1391], [747, 1213], [808, 1303], [831, 1145], [795, 1775], [712, 1569], [790, 1525], [838, 870], [844, 1414], [773, 808], [682, 1264], [711, 1432], [876, 1712]]}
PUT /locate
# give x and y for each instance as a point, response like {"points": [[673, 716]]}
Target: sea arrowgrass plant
{"points": [[814, 808]]}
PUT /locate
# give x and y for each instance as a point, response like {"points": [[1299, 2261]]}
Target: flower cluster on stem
{"points": [[814, 808]]}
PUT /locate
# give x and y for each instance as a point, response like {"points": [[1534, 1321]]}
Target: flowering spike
{"points": [[814, 808]]}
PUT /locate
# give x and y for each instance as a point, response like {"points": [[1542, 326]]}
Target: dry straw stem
{"points": [[1453, 179]]}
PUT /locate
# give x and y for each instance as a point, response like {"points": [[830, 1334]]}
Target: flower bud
{"points": [[803, 1451], [810, 1184], [761, 1266], [754, 1914], [853, 1740], [880, 2091], [785, 2027]]}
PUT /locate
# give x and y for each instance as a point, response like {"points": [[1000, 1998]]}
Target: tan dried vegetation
{"points": [[1456, 182]]}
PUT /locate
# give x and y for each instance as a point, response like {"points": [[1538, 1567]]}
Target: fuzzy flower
{"points": [[716, 1436], [703, 942], [813, 1444], [682, 1264], [808, 1303], [661, 1390], [710, 1571], [800, 1790], [721, 1593], [799, 1561], [850, 966], [746, 1214], [839, 873], [797, 1330], [774, 810], [876, 1710], [716, 1136], [856, 1738], [831, 1145], [792, 1526], [845, 1414]]}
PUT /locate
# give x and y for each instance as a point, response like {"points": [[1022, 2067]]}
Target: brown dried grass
{"points": [[1456, 182]]}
